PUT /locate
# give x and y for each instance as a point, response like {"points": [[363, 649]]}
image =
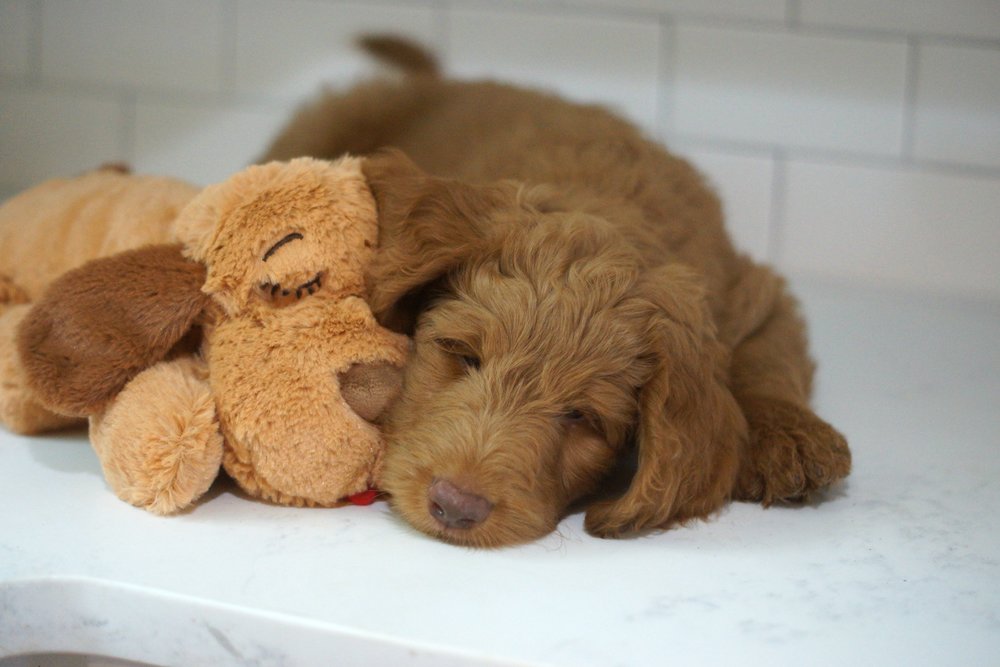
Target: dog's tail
{"points": [[366, 117], [401, 53]]}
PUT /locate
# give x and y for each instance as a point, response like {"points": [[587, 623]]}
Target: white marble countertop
{"points": [[898, 566]]}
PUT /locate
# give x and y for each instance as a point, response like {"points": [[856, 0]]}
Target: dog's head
{"points": [[546, 352]]}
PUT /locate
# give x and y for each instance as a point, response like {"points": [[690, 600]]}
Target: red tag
{"points": [[363, 498]]}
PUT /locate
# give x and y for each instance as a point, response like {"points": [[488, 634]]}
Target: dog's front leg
{"points": [[791, 451]]}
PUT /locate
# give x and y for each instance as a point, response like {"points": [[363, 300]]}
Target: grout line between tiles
{"points": [[910, 90], [443, 10], [128, 102], [776, 220], [666, 77], [228, 27], [37, 19], [795, 153], [793, 13]]}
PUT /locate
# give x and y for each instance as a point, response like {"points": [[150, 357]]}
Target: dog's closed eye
{"points": [[461, 351], [575, 419]]}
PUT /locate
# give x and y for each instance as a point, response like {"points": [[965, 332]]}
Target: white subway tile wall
{"points": [[15, 37], [773, 10], [285, 48], [588, 58], [200, 141], [959, 18], [857, 139], [936, 231], [958, 105], [767, 87], [46, 133], [142, 43]]}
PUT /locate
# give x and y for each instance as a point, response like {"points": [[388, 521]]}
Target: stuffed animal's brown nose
{"points": [[369, 388], [453, 507]]}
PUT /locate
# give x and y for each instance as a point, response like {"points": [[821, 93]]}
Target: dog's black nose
{"points": [[453, 507]]}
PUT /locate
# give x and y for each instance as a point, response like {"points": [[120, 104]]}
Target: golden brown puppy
{"points": [[575, 302]]}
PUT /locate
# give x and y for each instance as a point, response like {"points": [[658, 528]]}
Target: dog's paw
{"points": [[791, 453]]}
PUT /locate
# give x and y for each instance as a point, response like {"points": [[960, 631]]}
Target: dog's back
{"points": [[481, 131]]}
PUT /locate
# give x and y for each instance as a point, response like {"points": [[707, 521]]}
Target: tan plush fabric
{"points": [[275, 359], [20, 411], [60, 224], [159, 443], [256, 315], [57, 226]]}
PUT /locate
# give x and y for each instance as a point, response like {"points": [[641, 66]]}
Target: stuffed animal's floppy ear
{"points": [[99, 325], [427, 227], [690, 428]]}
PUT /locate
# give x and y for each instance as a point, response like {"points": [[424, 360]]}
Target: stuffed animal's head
{"points": [[269, 279], [276, 234]]}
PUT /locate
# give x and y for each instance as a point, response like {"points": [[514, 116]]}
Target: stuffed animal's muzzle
{"points": [[285, 383]]}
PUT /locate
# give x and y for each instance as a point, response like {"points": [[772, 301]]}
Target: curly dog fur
{"points": [[576, 304]]}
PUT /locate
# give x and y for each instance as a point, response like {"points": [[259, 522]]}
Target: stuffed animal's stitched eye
{"points": [[309, 287], [462, 351], [280, 295]]}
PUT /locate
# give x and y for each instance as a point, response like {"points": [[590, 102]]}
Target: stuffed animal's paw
{"points": [[791, 453], [159, 441]]}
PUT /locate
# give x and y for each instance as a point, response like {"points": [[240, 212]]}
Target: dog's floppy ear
{"points": [[427, 227], [99, 325], [689, 426]]}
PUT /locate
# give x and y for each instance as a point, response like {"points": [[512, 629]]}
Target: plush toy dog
{"points": [[248, 343]]}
